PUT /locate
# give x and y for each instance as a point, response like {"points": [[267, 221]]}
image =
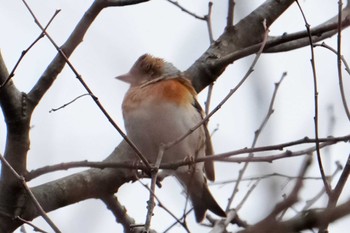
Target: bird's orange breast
{"points": [[176, 91]]}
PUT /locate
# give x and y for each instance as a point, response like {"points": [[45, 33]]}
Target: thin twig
{"points": [[266, 176], [175, 3], [35, 228], [183, 223], [335, 194], [94, 98], [310, 202], [305, 140], [256, 136], [24, 52], [267, 159], [339, 63], [77, 164], [208, 100], [219, 157], [154, 175], [230, 13], [33, 198], [208, 21], [340, 60], [250, 191], [224, 157], [161, 205], [313, 65], [272, 219], [341, 182], [211, 39], [341, 86], [293, 196], [66, 104], [324, 45]]}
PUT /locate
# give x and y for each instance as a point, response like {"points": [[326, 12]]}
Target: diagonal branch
{"points": [[9, 95], [57, 64], [295, 40], [256, 136], [175, 3], [271, 220], [119, 211], [92, 183], [62, 54], [237, 42], [237, 37], [76, 37], [30, 193], [24, 52], [316, 101]]}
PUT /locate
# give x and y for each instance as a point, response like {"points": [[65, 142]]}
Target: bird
{"points": [[159, 107]]}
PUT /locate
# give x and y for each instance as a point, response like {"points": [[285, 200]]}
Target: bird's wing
{"points": [[209, 164]]}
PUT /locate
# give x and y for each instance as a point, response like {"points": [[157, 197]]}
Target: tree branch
{"points": [[119, 212], [30, 194], [92, 183], [83, 83], [129, 164], [305, 221], [15, 108], [237, 37], [57, 64], [295, 40], [233, 44], [237, 42]]}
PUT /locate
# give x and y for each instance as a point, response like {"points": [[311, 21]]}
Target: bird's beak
{"points": [[124, 77]]}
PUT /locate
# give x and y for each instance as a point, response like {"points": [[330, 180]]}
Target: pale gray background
{"points": [[116, 39]]}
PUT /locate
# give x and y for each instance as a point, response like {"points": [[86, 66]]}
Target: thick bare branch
{"points": [[237, 42], [57, 64], [62, 55], [305, 221], [233, 44], [119, 212], [92, 183], [295, 40], [15, 108], [121, 2], [202, 72], [29, 192], [76, 37], [10, 97]]}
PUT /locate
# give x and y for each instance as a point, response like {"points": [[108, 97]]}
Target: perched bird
{"points": [[159, 107]]}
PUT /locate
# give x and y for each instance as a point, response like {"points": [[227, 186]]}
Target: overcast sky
{"points": [[115, 40]]}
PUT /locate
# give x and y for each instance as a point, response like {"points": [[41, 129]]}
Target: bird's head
{"points": [[147, 68]]}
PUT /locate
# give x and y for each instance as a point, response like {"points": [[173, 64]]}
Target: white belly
{"points": [[150, 126]]}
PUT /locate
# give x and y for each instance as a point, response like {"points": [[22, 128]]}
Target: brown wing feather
{"points": [[209, 164]]}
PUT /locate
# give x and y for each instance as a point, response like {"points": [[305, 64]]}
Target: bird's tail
{"points": [[199, 194], [203, 201]]}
